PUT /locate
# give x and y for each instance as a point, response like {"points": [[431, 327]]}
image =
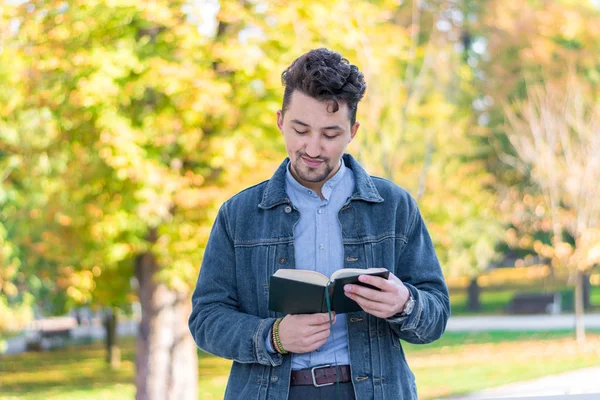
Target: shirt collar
{"points": [[364, 189]]}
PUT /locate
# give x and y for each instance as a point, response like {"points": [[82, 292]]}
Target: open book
{"points": [[298, 291]]}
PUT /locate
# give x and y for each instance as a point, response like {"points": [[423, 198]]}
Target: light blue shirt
{"points": [[318, 247]]}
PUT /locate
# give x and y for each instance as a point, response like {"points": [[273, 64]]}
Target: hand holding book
{"points": [[294, 291], [387, 301], [304, 333]]}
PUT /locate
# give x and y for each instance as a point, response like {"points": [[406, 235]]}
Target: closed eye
{"points": [[299, 132]]}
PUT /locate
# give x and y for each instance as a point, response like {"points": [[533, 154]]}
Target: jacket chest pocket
{"points": [[381, 254], [355, 256], [372, 254], [258, 263]]}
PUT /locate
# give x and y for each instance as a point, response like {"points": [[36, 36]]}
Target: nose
{"points": [[313, 146]]}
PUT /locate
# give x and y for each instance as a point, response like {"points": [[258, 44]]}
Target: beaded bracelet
{"points": [[274, 343], [273, 340], [276, 339]]}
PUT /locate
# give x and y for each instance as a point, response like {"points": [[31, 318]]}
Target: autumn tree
{"points": [[555, 134], [421, 132], [131, 121], [108, 109], [515, 46]]}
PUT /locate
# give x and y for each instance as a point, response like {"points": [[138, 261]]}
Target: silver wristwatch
{"points": [[408, 307]]}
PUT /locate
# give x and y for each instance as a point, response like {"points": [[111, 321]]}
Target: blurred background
{"points": [[125, 124]]}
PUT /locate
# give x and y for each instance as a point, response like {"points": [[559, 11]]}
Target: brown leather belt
{"points": [[322, 375]]}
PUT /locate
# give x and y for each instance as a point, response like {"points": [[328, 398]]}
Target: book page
{"points": [[303, 275], [342, 273]]}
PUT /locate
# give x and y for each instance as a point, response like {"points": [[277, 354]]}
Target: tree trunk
{"points": [[113, 353], [587, 286], [166, 359], [579, 326], [473, 294]]}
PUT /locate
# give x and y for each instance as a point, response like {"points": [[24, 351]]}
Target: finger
{"points": [[377, 281], [368, 304], [318, 329], [380, 310], [320, 319], [371, 294], [311, 340], [320, 336], [316, 345], [394, 278], [309, 319]]}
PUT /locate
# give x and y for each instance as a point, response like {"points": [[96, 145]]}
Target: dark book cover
{"points": [[296, 297], [342, 303]]}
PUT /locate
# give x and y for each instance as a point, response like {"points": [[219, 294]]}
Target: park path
{"points": [[519, 323], [582, 384], [95, 330]]}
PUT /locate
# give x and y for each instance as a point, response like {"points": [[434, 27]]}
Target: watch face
{"points": [[410, 304]]}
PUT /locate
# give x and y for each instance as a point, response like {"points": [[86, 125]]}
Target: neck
{"points": [[316, 186]]}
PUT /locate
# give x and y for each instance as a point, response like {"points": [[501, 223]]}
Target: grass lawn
{"points": [[465, 362], [81, 373], [457, 363]]}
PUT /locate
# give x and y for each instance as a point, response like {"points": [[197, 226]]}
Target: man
{"points": [[319, 211]]}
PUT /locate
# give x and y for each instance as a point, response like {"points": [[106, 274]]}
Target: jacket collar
{"points": [[364, 188]]}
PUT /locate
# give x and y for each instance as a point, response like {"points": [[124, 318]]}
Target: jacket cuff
{"points": [[410, 321], [270, 348], [262, 345]]}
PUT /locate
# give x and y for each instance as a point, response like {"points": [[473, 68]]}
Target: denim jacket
{"points": [[252, 238]]}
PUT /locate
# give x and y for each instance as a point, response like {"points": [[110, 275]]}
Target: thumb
{"points": [[394, 278]]}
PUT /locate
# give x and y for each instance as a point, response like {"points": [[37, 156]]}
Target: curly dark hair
{"points": [[325, 75]]}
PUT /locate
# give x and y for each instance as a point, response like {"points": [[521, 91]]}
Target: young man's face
{"points": [[315, 138]]}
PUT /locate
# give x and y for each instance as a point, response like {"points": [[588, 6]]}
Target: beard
{"points": [[312, 174]]}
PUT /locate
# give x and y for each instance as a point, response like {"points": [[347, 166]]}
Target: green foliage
{"points": [[421, 133], [118, 118], [520, 46], [133, 119], [122, 125]]}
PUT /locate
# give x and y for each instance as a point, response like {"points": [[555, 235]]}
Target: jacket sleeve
{"points": [[418, 268], [216, 322]]}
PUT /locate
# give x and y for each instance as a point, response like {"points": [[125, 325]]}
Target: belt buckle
{"points": [[314, 379]]}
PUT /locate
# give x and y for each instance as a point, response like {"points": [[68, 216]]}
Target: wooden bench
{"points": [[534, 303], [49, 332]]}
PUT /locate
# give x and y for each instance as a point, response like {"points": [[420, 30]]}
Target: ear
{"points": [[353, 130], [280, 120]]}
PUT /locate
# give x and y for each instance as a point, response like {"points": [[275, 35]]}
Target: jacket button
{"points": [[282, 260], [287, 209], [274, 378]]}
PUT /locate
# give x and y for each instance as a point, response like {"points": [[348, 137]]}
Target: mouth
{"points": [[311, 162]]}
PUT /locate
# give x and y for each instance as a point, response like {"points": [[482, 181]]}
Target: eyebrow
{"points": [[332, 127]]}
